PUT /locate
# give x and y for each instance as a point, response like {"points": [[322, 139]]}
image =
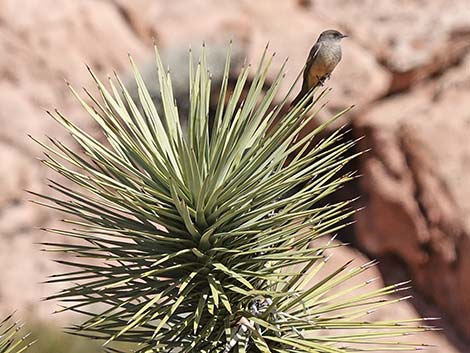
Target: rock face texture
{"points": [[406, 66], [415, 187]]}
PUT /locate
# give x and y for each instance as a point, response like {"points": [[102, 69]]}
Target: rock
{"points": [[36, 62], [16, 213], [24, 267], [139, 16], [416, 195], [185, 23], [305, 3]]}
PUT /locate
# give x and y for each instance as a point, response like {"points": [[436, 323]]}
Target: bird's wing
{"points": [[310, 60], [308, 65]]}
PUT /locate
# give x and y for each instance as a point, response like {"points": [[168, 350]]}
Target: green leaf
{"points": [[12, 337], [174, 235]]}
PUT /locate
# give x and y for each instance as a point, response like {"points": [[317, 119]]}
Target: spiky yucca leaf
{"points": [[10, 339], [200, 239]]}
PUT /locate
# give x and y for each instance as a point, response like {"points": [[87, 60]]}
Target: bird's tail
{"points": [[299, 97]]}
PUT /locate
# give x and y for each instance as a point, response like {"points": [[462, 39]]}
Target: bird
{"points": [[322, 60]]}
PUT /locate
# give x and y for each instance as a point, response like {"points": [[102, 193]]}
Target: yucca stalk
{"points": [[11, 340], [200, 240]]}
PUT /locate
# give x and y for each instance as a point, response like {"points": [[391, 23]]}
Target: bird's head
{"points": [[331, 34]]}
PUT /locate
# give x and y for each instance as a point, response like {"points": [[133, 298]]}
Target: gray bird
{"points": [[321, 61]]}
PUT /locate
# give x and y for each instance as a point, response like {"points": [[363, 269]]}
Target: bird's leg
{"points": [[321, 80]]}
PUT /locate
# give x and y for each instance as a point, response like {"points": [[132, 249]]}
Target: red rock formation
{"points": [[416, 187]]}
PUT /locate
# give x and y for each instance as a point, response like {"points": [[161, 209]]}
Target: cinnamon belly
{"points": [[322, 67]]}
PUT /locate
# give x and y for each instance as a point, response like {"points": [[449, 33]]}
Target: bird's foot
{"points": [[321, 80]]}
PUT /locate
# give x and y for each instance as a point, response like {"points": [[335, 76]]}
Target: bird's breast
{"points": [[325, 61], [328, 57]]}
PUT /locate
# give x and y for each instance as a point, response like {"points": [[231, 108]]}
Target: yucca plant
{"points": [[11, 338], [201, 240]]}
